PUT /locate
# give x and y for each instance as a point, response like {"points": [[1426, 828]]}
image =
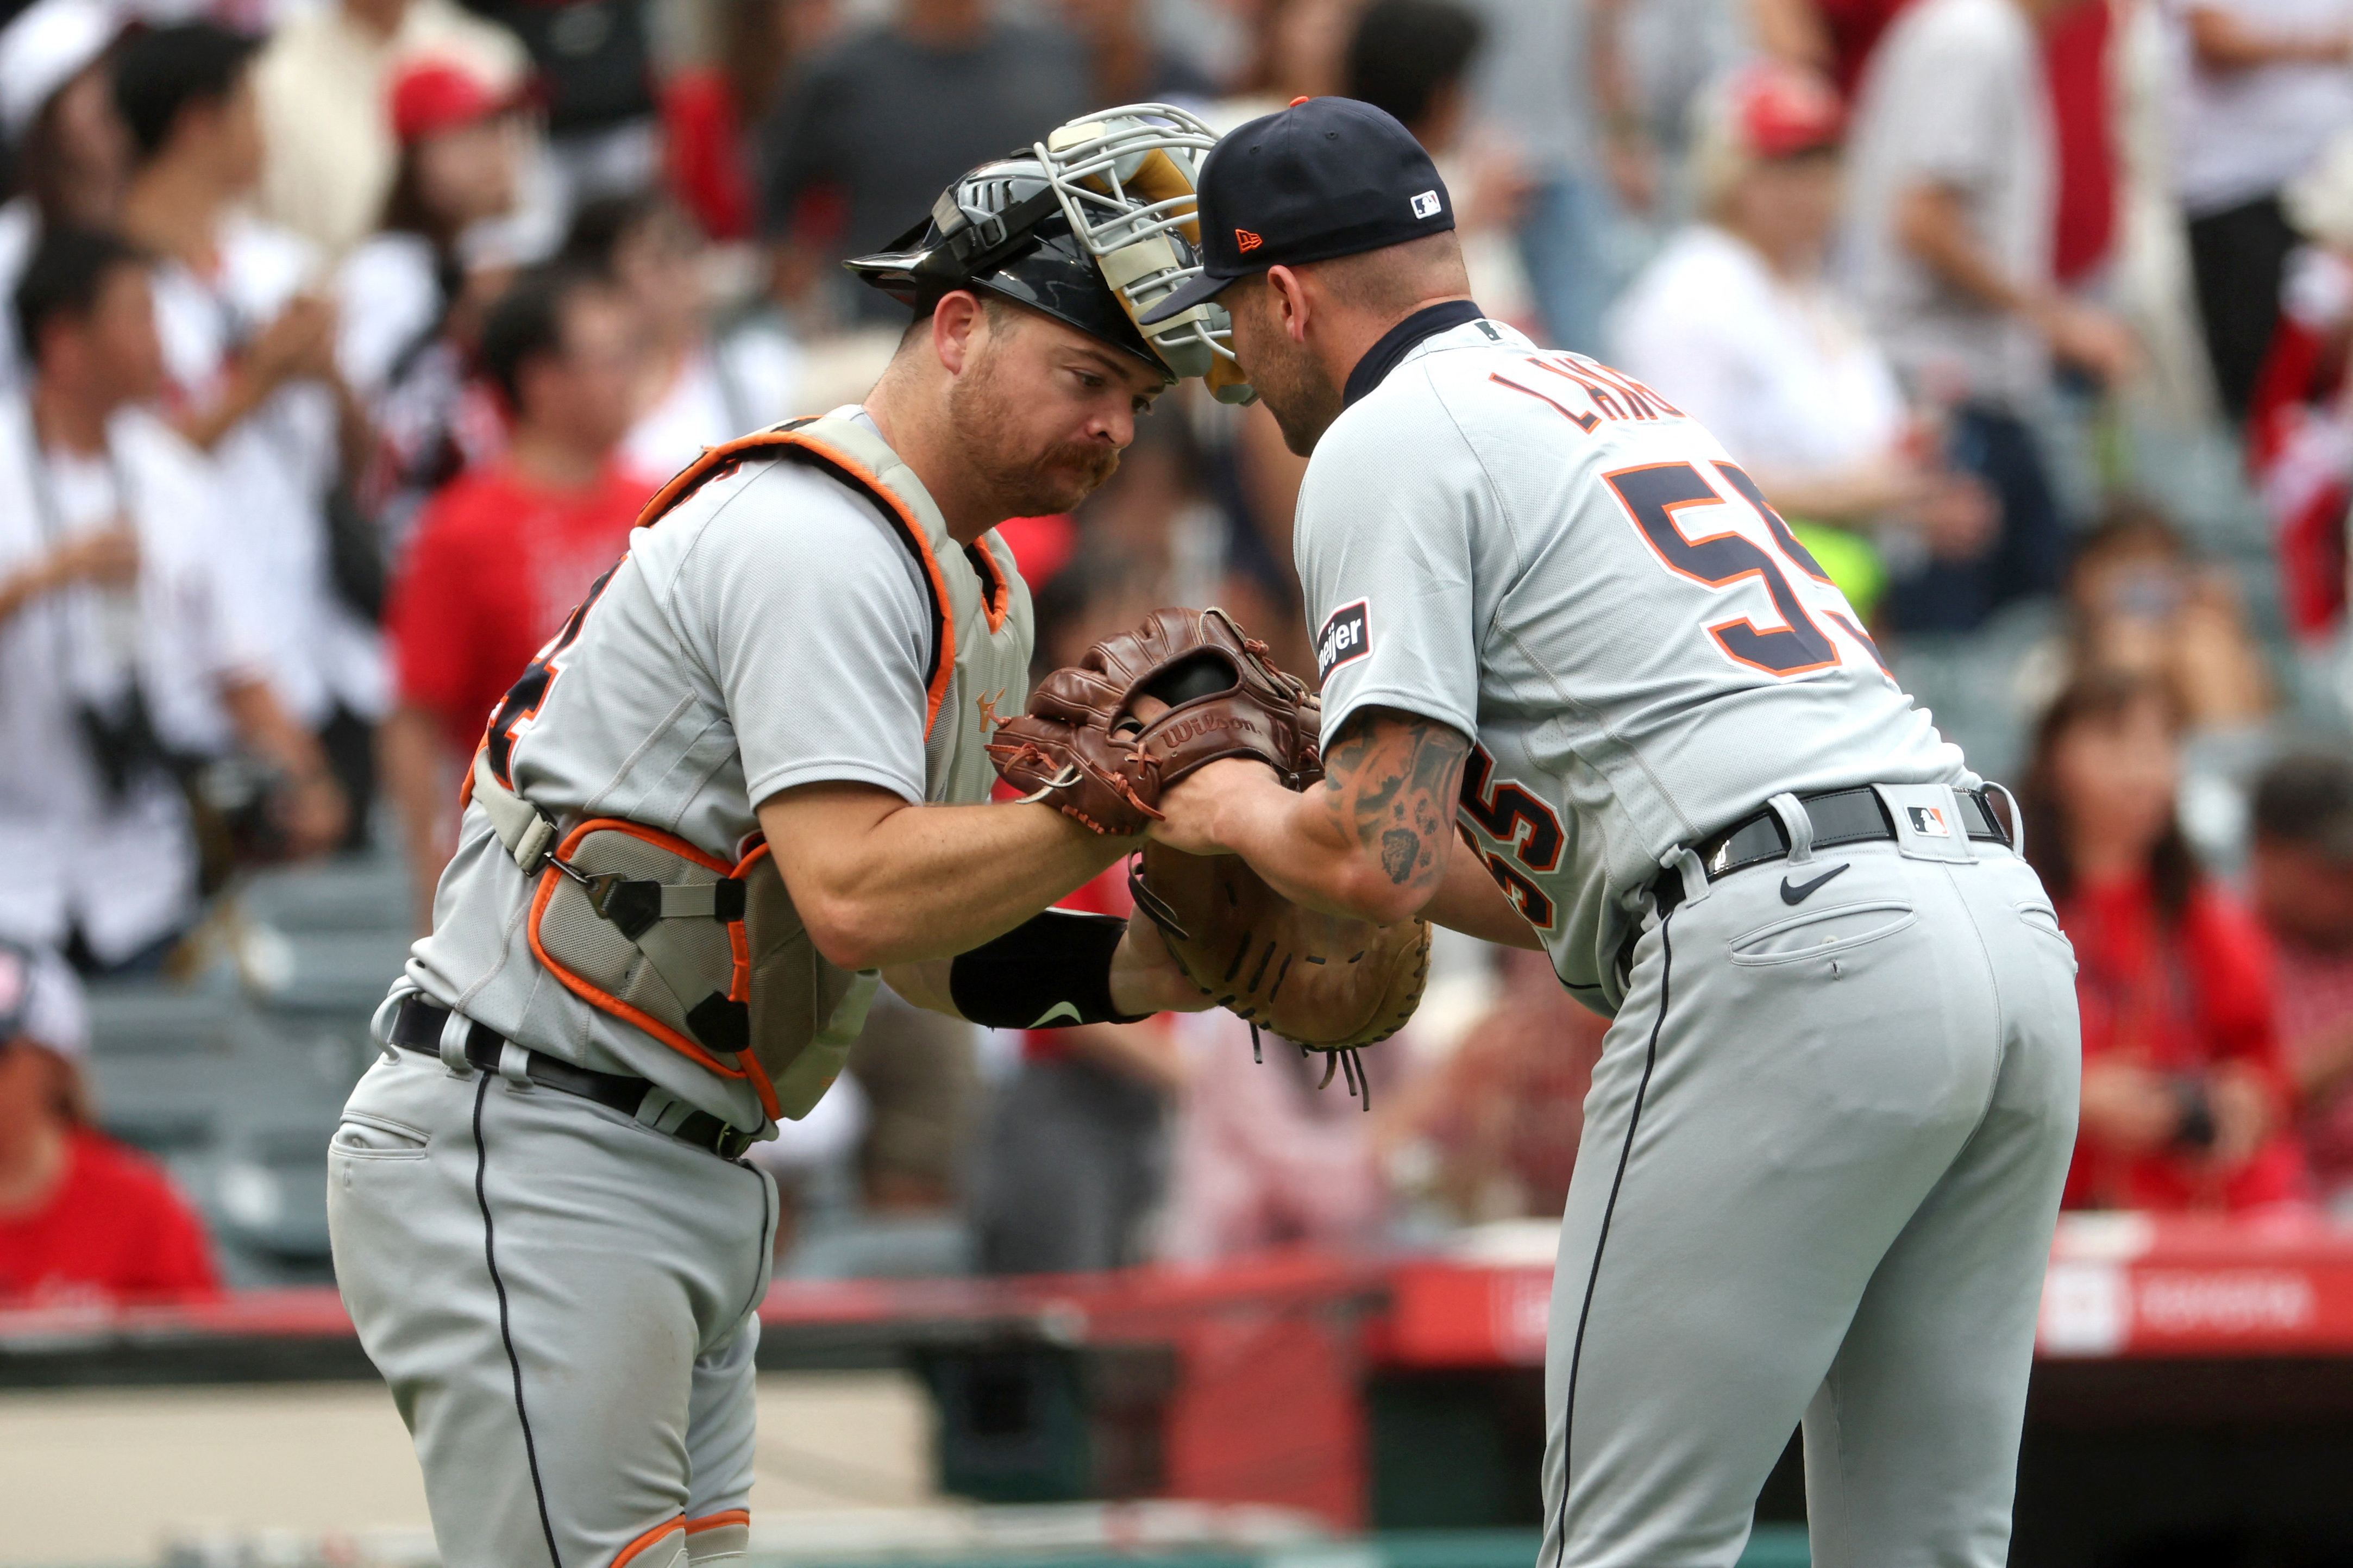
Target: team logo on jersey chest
{"points": [[1347, 634]]}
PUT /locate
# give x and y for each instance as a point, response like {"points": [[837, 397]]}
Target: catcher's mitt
{"points": [[1081, 747], [1323, 982]]}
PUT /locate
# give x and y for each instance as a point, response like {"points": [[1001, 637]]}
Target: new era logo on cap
{"points": [[1246, 242], [1427, 204]]}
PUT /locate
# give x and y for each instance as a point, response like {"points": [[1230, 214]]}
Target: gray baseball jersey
{"points": [[772, 630], [1553, 560], [1821, 1157], [561, 1298]]}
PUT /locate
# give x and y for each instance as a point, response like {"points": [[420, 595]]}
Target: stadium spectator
{"points": [[1550, 79], [84, 1221], [1952, 172], [2301, 881], [708, 108], [2267, 84], [1263, 1156], [2186, 1095], [1413, 58], [251, 378], [870, 129], [594, 75], [67, 155], [2139, 600], [2300, 418], [1838, 36], [1736, 322], [1125, 64], [699, 388], [127, 657], [409, 305], [1497, 1122], [503, 555], [330, 149]]}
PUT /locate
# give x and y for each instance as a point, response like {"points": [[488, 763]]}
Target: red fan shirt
{"points": [[114, 1230], [497, 564], [2177, 998]]}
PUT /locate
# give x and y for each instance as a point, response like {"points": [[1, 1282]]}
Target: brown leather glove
{"points": [[1324, 982], [1081, 747]]}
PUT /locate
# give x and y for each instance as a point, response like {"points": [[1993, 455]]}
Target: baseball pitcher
{"points": [[1823, 1153]]}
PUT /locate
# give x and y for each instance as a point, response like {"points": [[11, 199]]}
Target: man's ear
{"points": [[1287, 299], [956, 327]]}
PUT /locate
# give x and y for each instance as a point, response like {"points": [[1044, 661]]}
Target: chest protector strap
{"points": [[706, 955]]}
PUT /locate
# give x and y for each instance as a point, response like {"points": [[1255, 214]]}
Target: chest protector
{"points": [[706, 954]]}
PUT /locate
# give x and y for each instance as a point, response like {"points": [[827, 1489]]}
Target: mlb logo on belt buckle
{"points": [[1928, 821]]}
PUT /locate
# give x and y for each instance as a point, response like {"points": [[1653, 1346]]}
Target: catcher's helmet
{"points": [[1103, 200]]}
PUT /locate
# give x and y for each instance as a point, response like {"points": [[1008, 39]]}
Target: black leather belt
{"points": [[417, 1025], [1855, 816]]}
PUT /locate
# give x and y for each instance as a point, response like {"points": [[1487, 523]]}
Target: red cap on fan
{"points": [[1781, 110], [435, 95]]}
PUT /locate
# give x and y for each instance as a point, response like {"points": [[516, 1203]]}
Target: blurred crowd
{"points": [[346, 339]]}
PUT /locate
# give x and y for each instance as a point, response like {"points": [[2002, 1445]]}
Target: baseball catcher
{"points": [[741, 785]]}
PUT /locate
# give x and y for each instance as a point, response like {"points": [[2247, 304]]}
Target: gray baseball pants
{"points": [[562, 1301], [1819, 1176]]}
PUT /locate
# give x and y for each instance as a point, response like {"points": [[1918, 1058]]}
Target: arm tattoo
{"points": [[1391, 784]]}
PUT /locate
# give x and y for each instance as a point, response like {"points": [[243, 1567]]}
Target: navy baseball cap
{"points": [[1323, 178]]}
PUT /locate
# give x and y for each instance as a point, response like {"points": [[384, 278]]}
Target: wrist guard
{"points": [[1049, 972]]}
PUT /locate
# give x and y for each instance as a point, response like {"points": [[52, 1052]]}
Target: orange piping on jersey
{"points": [[654, 1537], [719, 1521], [996, 594], [714, 459], [466, 785], [739, 988], [605, 1000]]}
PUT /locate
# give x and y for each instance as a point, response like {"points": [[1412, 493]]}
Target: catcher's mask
{"points": [[1092, 226]]}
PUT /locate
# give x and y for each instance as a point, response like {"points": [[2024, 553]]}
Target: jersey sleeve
{"points": [[1384, 543], [807, 609]]}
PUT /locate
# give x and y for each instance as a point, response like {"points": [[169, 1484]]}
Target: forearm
{"points": [[20, 588], [931, 881], [2223, 43], [1856, 497], [269, 731], [1296, 842], [1935, 229]]}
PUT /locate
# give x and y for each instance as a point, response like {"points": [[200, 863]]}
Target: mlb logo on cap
{"points": [[1427, 204]]}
